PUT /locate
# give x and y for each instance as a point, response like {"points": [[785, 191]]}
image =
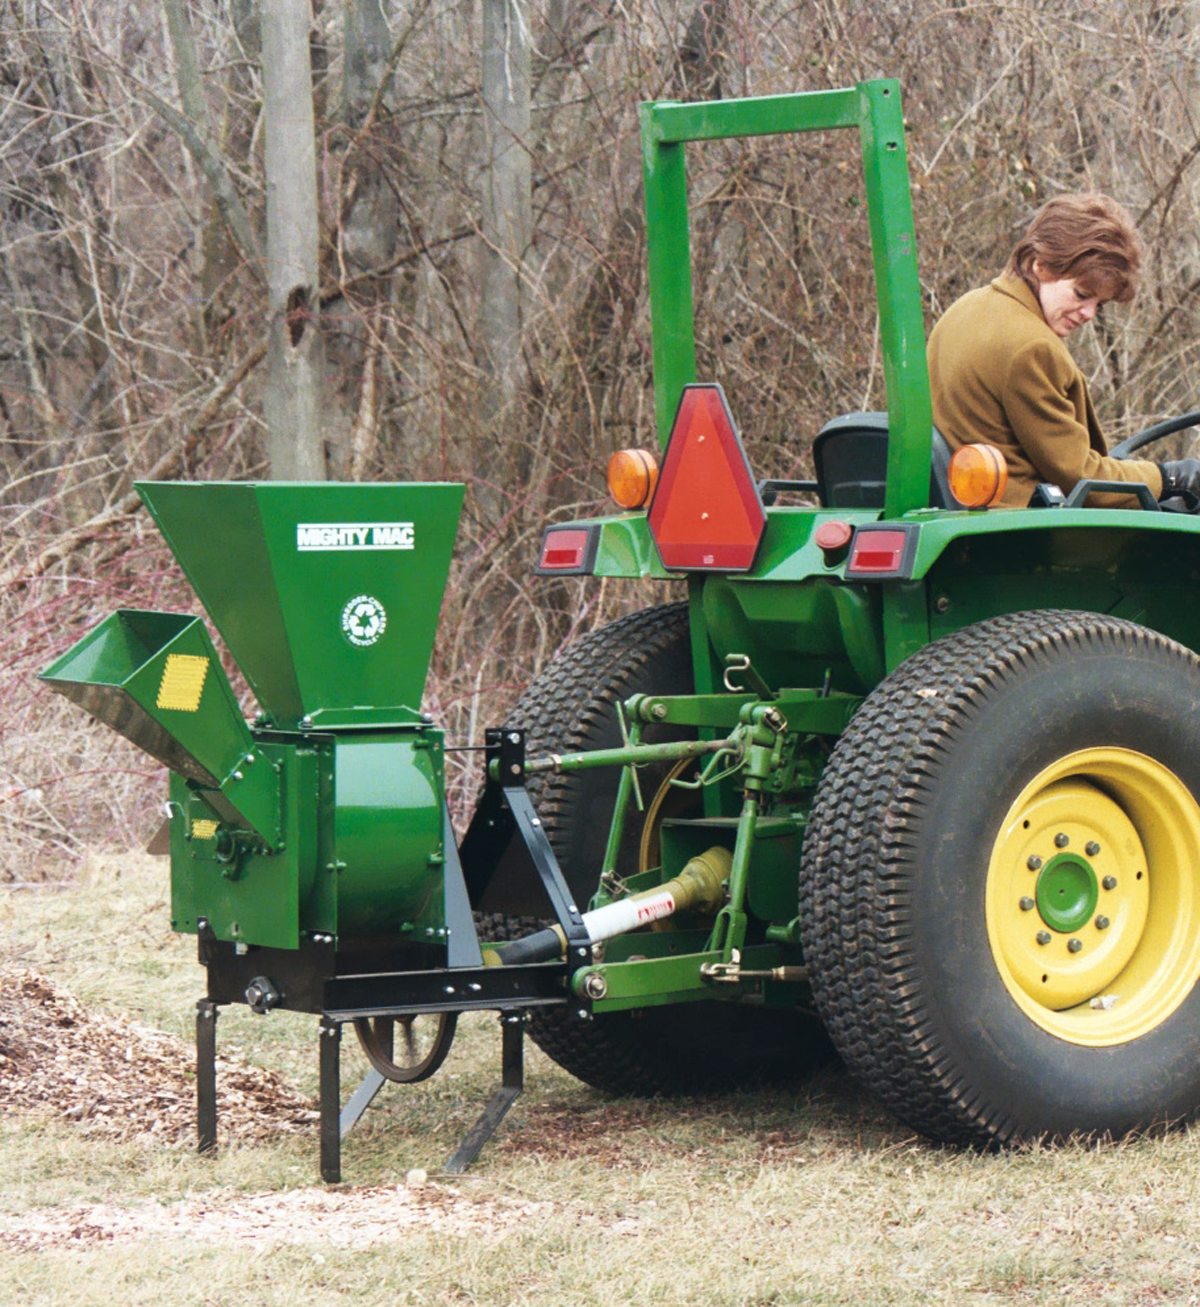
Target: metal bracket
{"points": [[566, 911], [512, 1081]]}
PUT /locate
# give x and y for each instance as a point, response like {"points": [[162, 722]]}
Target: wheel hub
{"points": [[1059, 849], [1067, 891]]}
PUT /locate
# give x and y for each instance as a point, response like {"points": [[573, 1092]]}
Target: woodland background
{"points": [[475, 306]]}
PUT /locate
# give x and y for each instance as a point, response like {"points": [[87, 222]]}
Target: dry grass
{"points": [[802, 1196]]}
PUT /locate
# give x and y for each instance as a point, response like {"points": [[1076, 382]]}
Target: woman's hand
{"points": [[1181, 480]]}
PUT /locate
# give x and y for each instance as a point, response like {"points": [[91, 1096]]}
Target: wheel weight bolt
{"points": [[1092, 848], [1102, 923], [1043, 937], [1109, 882], [1034, 863], [1026, 904], [1074, 945], [1061, 841]]}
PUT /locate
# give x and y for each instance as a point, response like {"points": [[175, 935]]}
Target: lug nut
{"points": [[1109, 882], [1092, 848], [1102, 923], [1074, 945], [1043, 937], [1034, 862], [1061, 840], [1026, 904]]}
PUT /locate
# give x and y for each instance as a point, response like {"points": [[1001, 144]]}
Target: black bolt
{"points": [[1109, 882], [1043, 937], [1102, 923], [1027, 904], [1074, 945], [1061, 841], [1034, 862], [1092, 848]]}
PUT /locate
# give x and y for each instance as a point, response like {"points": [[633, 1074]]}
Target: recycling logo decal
{"points": [[363, 620]]}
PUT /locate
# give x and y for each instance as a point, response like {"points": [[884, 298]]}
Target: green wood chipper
{"points": [[915, 781]]}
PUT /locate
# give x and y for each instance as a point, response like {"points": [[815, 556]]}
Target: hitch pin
{"points": [[732, 973]]}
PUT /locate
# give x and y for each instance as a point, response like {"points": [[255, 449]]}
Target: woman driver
{"points": [[1001, 373]]}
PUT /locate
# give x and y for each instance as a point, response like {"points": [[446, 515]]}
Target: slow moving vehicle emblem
{"points": [[363, 620]]}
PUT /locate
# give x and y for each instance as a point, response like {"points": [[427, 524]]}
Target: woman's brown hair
{"points": [[1087, 238]]}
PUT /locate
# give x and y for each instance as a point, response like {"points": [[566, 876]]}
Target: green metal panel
{"points": [[1086, 525], [626, 549], [388, 835], [327, 595], [246, 897]]}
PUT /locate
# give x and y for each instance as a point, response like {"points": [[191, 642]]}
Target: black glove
{"points": [[1181, 480]]}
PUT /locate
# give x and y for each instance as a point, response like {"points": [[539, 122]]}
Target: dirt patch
{"points": [[340, 1217], [120, 1079]]}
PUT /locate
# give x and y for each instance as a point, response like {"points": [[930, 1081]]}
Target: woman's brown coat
{"points": [[1001, 376]]}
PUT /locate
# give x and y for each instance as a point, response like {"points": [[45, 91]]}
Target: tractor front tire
{"points": [[1000, 884]]}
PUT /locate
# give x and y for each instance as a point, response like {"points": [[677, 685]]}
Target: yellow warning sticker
{"points": [[182, 682], [203, 829]]}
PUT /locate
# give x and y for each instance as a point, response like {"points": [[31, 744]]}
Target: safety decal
{"points": [[182, 682]]}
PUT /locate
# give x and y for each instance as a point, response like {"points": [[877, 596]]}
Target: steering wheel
{"points": [[1131, 444]]}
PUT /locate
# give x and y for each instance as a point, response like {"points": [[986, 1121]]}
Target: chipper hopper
{"points": [[919, 781]]}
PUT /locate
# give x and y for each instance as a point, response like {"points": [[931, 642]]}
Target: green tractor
{"points": [[916, 780]]}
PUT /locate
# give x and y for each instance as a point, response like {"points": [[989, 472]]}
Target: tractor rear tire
{"points": [[1000, 884], [571, 706]]}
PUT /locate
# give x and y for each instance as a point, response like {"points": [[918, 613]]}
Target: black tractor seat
{"points": [[850, 457]]}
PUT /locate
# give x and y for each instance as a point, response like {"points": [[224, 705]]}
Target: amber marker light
{"points": [[978, 476], [632, 476]]}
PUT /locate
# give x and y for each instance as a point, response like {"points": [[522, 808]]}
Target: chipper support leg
{"points": [[330, 1077], [360, 1100], [206, 1076], [512, 1081]]}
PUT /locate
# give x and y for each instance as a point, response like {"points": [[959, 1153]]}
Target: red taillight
{"points": [[882, 552], [706, 514], [832, 537], [567, 550]]}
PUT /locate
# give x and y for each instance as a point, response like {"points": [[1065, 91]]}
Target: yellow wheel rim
{"points": [[1093, 914]]}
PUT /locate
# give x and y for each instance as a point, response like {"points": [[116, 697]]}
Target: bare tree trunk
{"points": [[294, 347], [366, 238], [193, 129], [507, 216]]}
